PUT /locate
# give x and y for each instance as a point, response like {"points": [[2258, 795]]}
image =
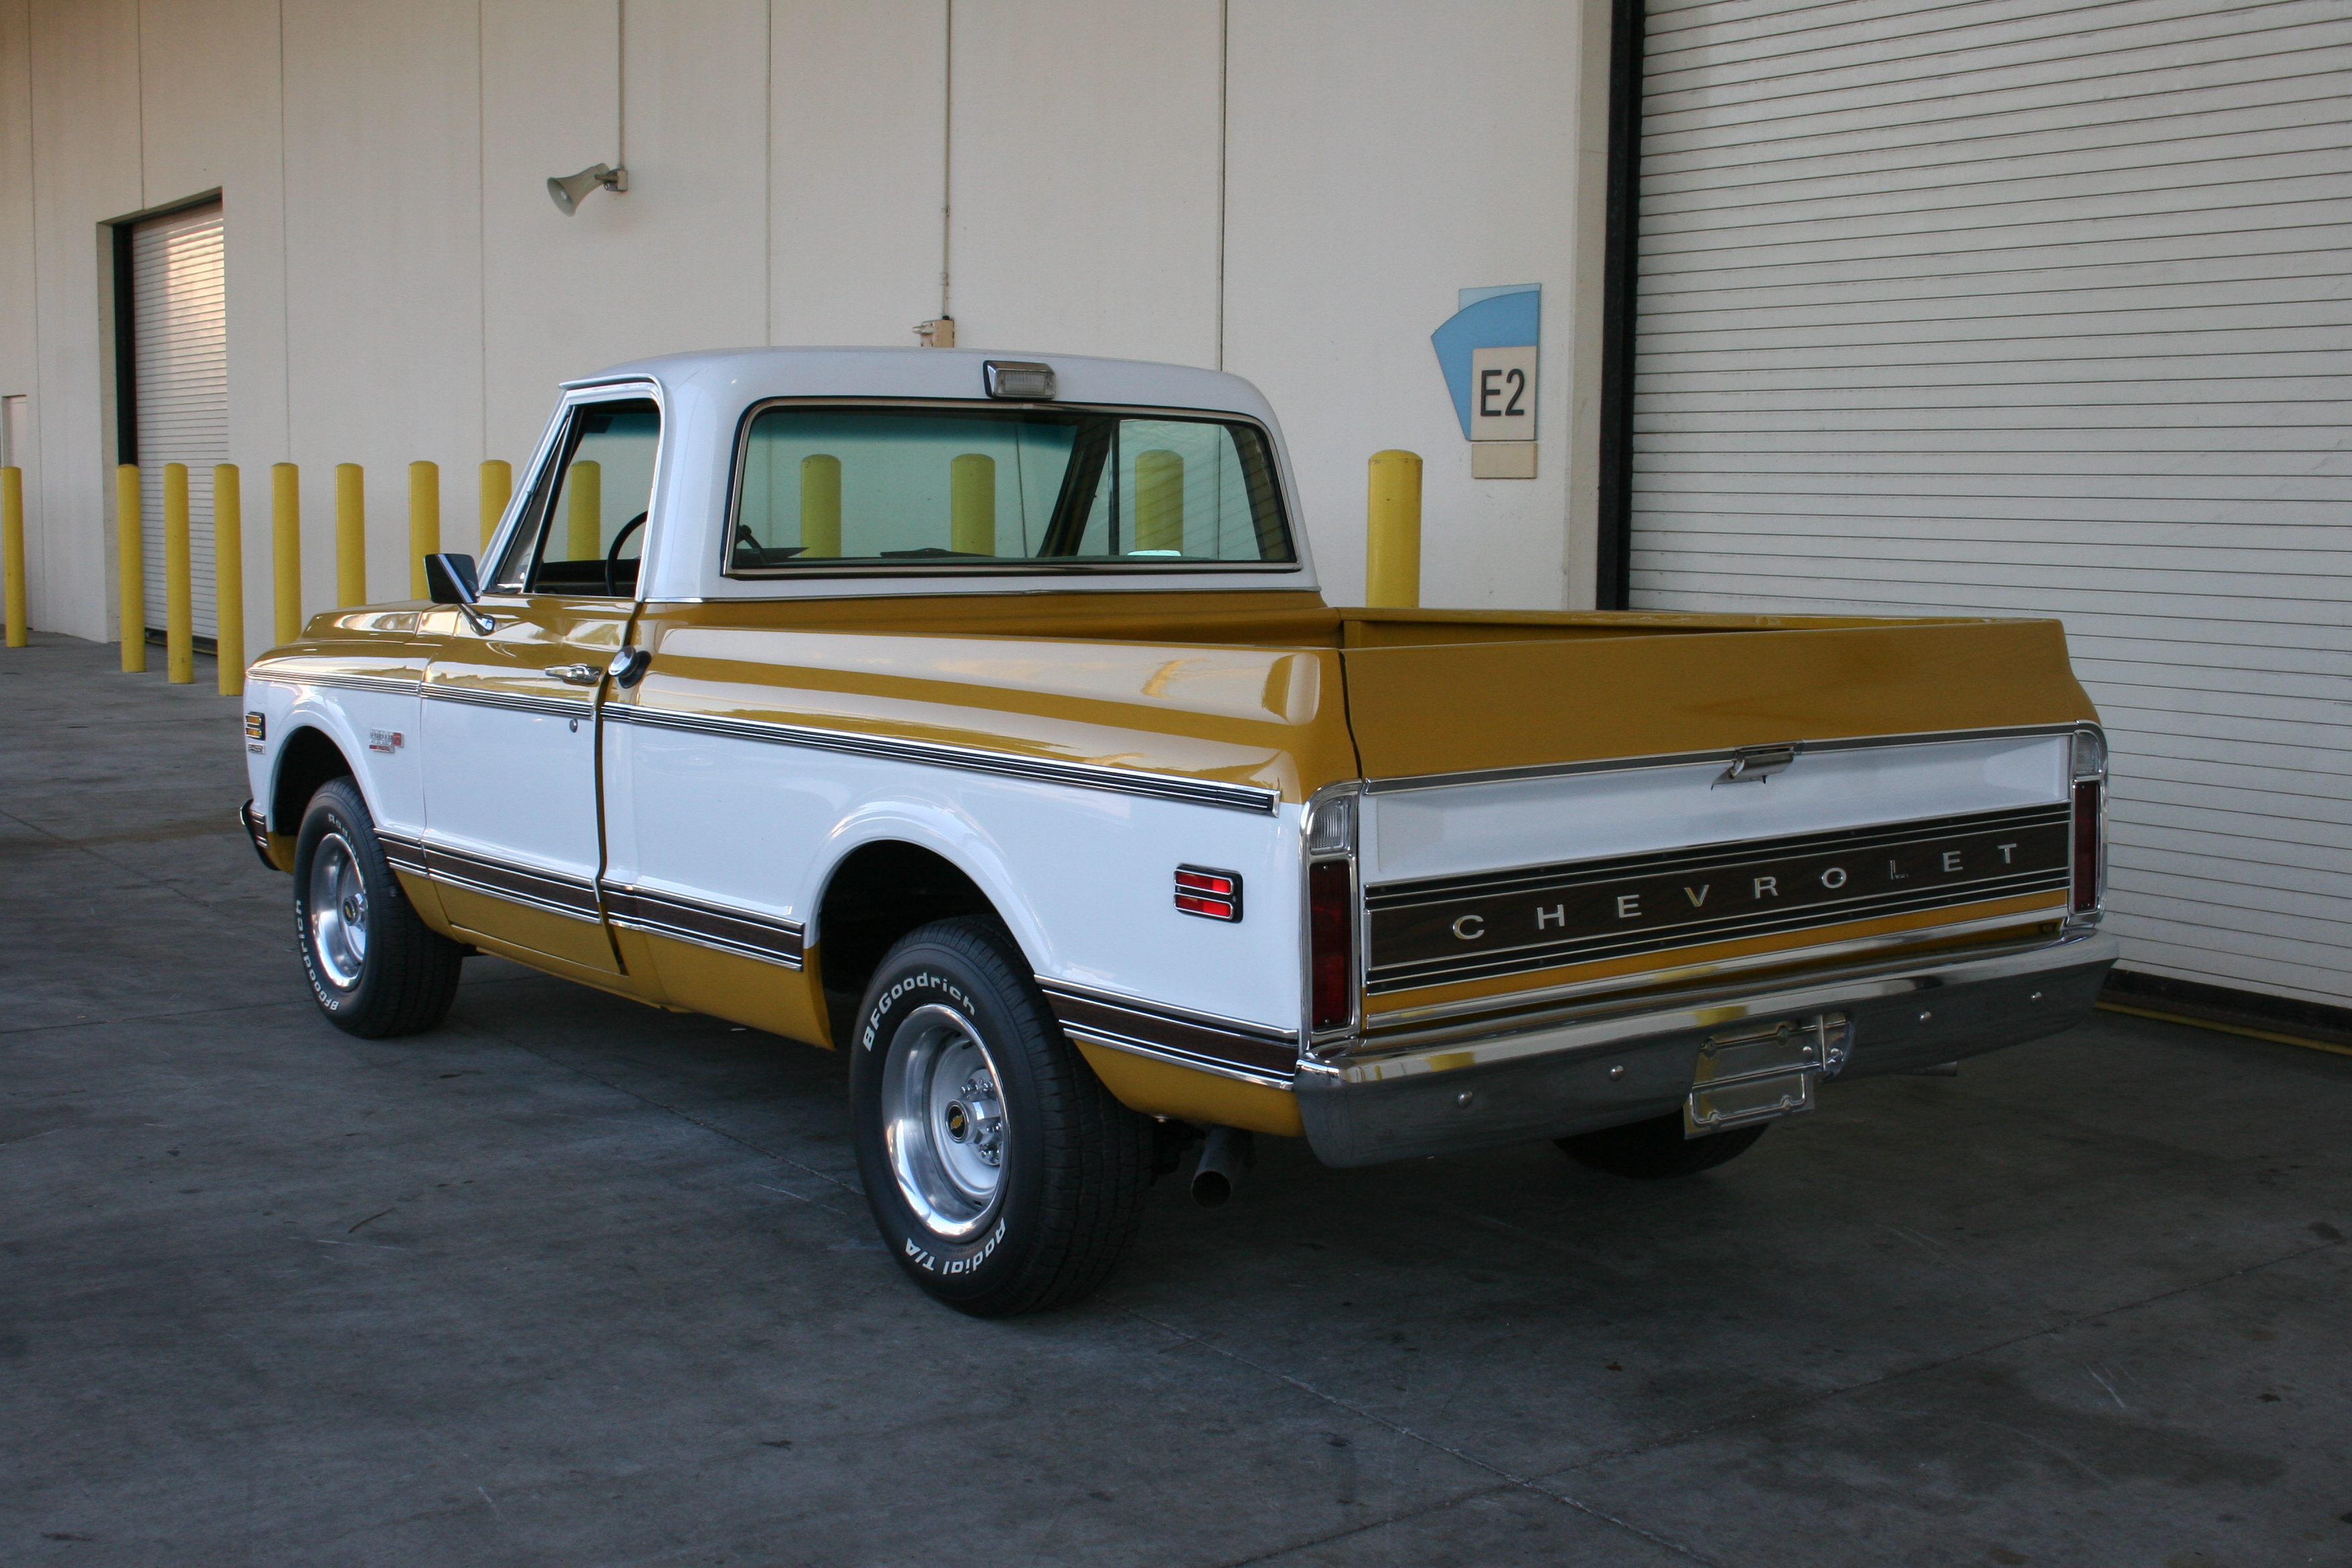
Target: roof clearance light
{"points": [[1212, 895], [1023, 380]]}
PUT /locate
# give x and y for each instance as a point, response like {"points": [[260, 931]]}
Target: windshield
{"points": [[931, 488]]}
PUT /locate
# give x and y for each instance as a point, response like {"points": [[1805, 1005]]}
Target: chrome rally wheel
{"points": [[944, 1122], [338, 912], [1003, 1176]]}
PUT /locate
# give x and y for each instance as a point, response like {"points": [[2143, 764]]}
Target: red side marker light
{"points": [[1213, 895]]}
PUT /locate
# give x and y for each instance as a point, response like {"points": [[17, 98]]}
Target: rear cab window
{"points": [[924, 489]]}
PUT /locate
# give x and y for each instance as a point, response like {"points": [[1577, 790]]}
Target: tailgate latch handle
{"points": [[1754, 764]]}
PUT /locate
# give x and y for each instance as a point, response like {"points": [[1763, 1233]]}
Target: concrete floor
{"points": [[571, 1282]]}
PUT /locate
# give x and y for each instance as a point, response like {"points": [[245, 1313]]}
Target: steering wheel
{"points": [[613, 555]]}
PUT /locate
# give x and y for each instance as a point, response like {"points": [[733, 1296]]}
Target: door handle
{"points": [[577, 674]]}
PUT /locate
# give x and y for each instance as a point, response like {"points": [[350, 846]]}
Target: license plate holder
{"points": [[1763, 1073]]}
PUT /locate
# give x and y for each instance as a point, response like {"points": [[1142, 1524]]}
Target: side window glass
{"points": [[586, 526]]}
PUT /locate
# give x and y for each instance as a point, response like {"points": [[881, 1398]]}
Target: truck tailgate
{"points": [[1441, 708]]}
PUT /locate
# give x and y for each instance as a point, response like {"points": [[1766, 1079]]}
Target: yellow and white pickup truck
{"points": [[980, 716]]}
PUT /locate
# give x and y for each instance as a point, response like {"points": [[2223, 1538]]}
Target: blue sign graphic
{"points": [[1504, 318]]}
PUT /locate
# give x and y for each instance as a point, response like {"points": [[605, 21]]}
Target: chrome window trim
{"points": [[550, 443], [1253, 798], [1013, 567], [1691, 759]]}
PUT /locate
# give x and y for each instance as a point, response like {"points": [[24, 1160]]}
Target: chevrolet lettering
{"points": [[982, 713]]}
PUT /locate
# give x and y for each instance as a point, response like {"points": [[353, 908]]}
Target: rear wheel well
{"points": [[879, 894], [307, 760]]}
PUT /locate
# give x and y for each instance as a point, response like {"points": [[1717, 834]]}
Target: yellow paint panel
{"points": [[476, 917], [1466, 707], [741, 990], [1162, 1089]]}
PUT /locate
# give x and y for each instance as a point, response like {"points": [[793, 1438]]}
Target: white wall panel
{"points": [[1084, 179], [1374, 169], [680, 260], [2030, 308], [384, 272], [859, 154]]}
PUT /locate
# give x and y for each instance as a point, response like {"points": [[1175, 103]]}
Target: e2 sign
{"points": [[1503, 393]]}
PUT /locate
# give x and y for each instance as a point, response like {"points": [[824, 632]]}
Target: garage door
{"points": [[180, 351], [2024, 309]]}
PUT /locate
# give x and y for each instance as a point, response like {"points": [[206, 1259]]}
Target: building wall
{"points": [[1295, 193]]}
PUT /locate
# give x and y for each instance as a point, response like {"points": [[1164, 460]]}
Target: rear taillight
{"points": [[1331, 944], [2090, 862]]}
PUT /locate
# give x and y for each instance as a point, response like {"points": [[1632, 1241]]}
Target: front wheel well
{"points": [[876, 895], [307, 760]]}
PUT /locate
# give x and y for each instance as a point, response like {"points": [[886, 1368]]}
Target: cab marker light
{"points": [[1212, 895]]}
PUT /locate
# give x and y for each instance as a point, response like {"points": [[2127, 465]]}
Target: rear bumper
{"points": [[1600, 1068]]}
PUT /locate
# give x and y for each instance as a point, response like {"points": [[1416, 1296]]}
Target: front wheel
{"points": [[377, 969], [1003, 1176], [1656, 1148]]}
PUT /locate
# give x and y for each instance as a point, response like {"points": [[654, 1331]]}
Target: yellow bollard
{"points": [[585, 538], [12, 553], [497, 488], [179, 586], [820, 505], [130, 569], [1393, 528], [286, 549], [1160, 502], [228, 579], [351, 535], [424, 521], [971, 504]]}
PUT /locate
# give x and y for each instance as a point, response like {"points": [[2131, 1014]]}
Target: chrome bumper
{"points": [[1598, 1069]]}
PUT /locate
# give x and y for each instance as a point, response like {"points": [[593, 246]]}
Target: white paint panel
{"points": [[2029, 308], [180, 346]]}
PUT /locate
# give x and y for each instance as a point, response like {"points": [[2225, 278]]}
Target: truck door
{"points": [[512, 835]]}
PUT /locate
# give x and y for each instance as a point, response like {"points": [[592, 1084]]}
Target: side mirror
{"points": [[450, 580]]}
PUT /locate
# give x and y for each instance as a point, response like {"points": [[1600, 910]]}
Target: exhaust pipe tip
{"points": [[1225, 1153]]}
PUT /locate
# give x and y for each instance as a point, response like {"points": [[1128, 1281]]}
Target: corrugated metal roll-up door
{"points": [[2029, 308], [180, 355]]}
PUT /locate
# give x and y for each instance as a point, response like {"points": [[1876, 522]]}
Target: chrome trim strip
{"points": [[1682, 759], [402, 852], [513, 701], [284, 675], [1656, 980], [541, 889], [763, 937], [1714, 1008], [1173, 1056], [931, 753], [1249, 1053]]}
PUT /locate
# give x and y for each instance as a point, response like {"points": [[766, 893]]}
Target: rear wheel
{"points": [[1649, 1150], [1005, 1178], [377, 969]]}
